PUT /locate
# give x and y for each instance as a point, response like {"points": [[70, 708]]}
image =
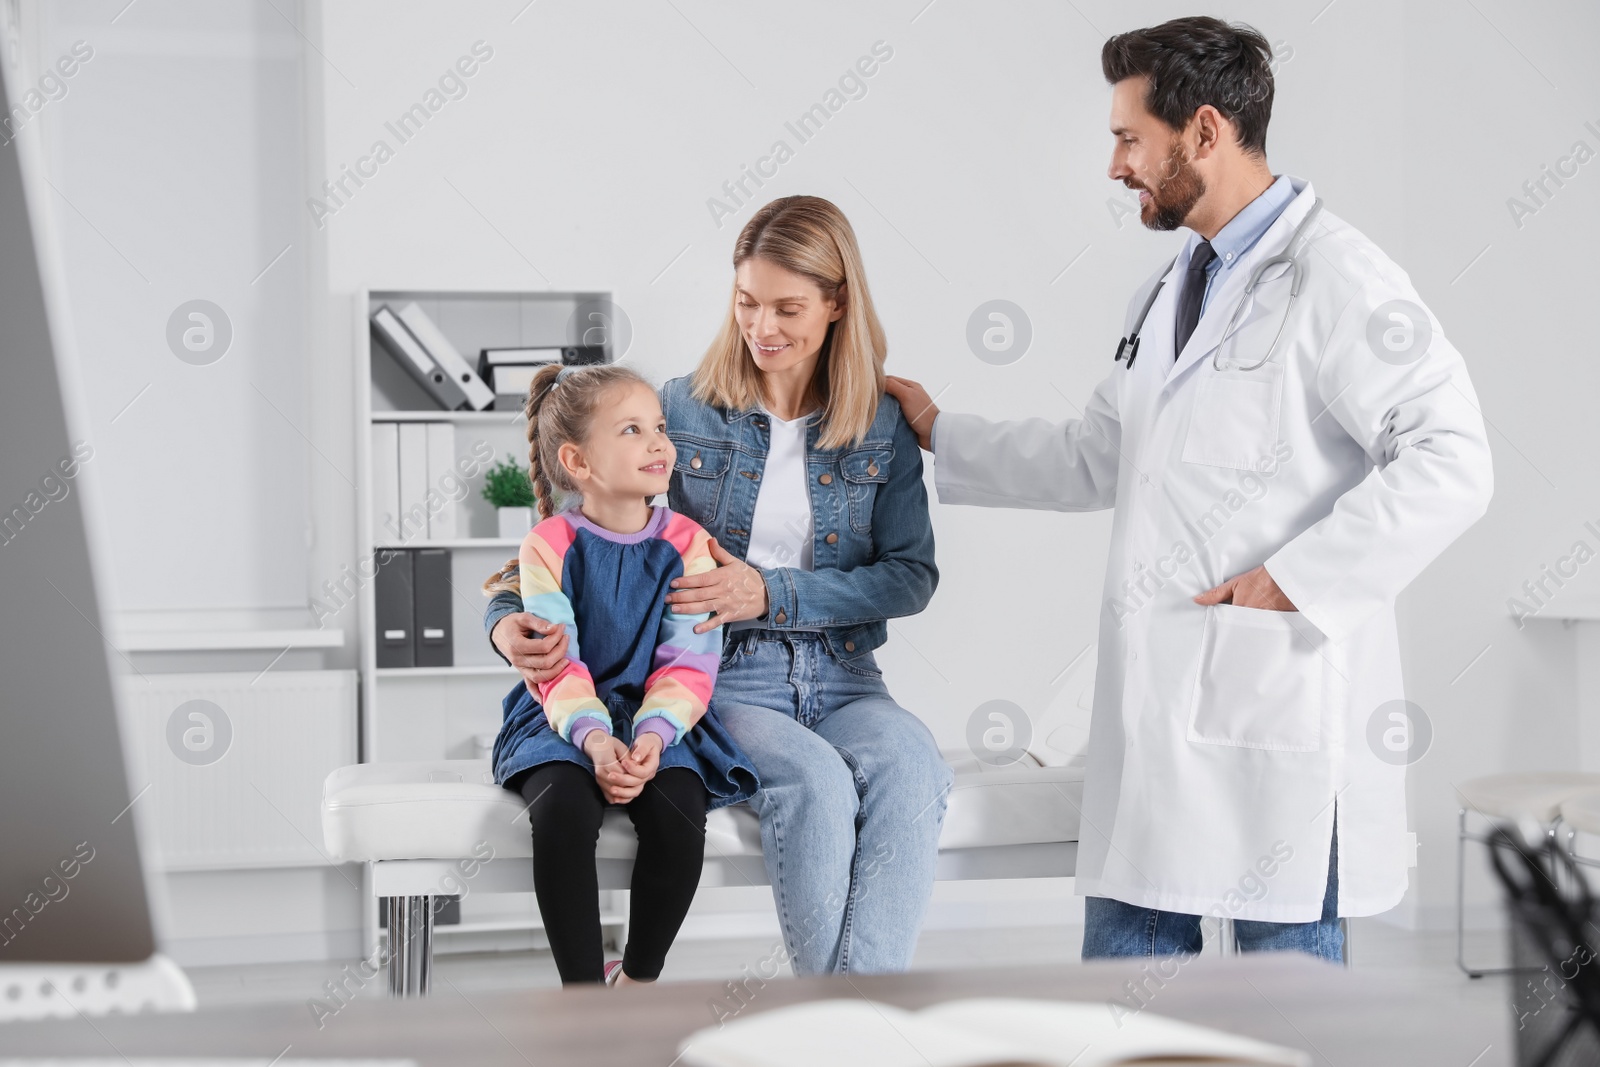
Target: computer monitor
{"points": [[71, 885]]}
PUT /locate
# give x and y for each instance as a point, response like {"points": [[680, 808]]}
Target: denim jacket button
{"points": [[826, 479], [849, 646], [872, 468], [781, 617], [695, 462], [832, 538]]}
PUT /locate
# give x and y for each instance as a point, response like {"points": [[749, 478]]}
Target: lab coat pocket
{"points": [[1234, 422], [1259, 682]]}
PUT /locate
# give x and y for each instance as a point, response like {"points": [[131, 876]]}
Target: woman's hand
{"points": [[610, 774], [916, 405], [537, 658], [734, 591], [645, 759]]}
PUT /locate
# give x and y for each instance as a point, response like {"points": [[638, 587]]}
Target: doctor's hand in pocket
{"points": [[1252, 589]]}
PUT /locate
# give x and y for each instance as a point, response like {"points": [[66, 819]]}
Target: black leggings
{"points": [[565, 805]]}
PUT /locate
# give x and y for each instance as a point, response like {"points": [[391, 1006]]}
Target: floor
{"points": [[1423, 958]]}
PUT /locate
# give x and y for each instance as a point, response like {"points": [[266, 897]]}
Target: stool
{"points": [[1532, 795]]}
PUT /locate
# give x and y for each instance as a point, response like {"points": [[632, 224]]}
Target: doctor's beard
{"points": [[1176, 195]]}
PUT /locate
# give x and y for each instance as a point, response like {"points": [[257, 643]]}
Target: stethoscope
{"points": [[1130, 343]]}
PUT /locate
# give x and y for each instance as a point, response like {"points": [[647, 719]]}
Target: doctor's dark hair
{"points": [[1196, 61]]}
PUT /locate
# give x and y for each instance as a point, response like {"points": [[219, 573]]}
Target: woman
{"points": [[810, 480]]}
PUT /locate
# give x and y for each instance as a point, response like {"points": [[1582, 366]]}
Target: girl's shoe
{"points": [[613, 972]]}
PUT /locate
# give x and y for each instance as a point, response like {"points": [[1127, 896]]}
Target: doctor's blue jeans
{"points": [[1114, 928], [853, 794]]}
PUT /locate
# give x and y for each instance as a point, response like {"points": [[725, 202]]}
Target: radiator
{"points": [[227, 769]]}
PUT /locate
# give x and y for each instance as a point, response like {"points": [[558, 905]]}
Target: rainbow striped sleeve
{"points": [[685, 665], [570, 695]]}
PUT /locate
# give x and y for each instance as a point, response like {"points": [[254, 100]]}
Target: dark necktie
{"points": [[1194, 293]]}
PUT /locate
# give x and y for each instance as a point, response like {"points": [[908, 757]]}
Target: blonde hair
{"points": [[809, 236], [560, 409]]}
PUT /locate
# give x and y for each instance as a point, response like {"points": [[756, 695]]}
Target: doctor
{"points": [[1274, 493]]}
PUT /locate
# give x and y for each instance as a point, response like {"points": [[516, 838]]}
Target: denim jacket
{"points": [[872, 541]]}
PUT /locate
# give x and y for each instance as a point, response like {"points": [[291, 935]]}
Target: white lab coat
{"points": [[1222, 737]]}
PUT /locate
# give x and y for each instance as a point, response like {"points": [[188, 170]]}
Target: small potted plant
{"points": [[508, 487]]}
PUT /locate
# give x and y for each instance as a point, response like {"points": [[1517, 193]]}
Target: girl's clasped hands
{"points": [[621, 772]]}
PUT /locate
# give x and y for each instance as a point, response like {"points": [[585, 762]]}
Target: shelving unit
{"points": [[225, 640], [512, 543], [440, 712], [513, 418], [445, 672]]}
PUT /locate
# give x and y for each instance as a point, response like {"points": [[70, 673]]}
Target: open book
{"points": [[981, 1032]]}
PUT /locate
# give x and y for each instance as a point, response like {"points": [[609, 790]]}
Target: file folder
{"points": [[446, 357], [392, 617], [413, 523], [392, 334], [494, 357], [441, 473], [513, 380], [435, 646], [386, 481]]}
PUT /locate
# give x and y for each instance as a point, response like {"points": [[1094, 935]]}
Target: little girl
{"points": [[627, 721]]}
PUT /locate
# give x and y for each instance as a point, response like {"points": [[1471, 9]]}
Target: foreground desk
{"points": [[1349, 1018]]}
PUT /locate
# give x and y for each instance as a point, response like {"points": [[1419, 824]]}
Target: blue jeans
{"points": [[853, 793], [1114, 928]]}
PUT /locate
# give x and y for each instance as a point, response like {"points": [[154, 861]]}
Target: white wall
{"points": [[586, 149], [1490, 97], [175, 154], [175, 150]]}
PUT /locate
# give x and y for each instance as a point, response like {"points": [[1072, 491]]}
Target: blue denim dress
{"points": [[617, 587]]}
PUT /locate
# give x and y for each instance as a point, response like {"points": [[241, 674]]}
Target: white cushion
{"points": [[1021, 804], [448, 809], [1530, 795], [1582, 811]]}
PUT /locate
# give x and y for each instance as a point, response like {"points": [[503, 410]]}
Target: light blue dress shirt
{"points": [[1241, 233]]}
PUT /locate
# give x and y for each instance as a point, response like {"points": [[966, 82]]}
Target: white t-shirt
{"points": [[781, 528]]}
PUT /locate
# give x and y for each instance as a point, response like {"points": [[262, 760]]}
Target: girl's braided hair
{"points": [[561, 405]]}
